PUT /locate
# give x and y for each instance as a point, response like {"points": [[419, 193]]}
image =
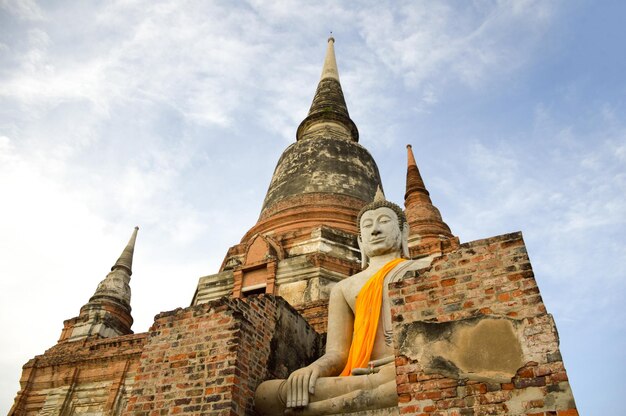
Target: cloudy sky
{"points": [[172, 116]]}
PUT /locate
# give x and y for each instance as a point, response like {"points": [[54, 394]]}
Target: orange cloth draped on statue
{"points": [[367, 314]]}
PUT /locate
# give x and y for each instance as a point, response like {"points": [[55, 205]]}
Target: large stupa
{"points": [[470, 331]]}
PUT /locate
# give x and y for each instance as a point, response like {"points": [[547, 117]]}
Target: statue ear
{"points": [[405, 241], [364, 258]]}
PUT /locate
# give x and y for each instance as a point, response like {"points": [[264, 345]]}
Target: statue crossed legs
{"points": [[357, 371], [333, 395]]}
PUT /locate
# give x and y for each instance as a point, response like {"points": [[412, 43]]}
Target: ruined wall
{"points": [[209, 358], [473, 337], [93, 376]]}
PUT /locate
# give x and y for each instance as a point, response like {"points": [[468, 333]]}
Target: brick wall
{"points": [[473, 337], [209, 359]]}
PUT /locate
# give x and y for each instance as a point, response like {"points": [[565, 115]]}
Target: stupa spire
{"points": [[414, 181], [107, 314], [115, 284], [326, 177], [126, 258], [328, 115], [429, 234], [330, 62]]}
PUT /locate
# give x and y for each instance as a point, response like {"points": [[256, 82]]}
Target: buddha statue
{"points": [[357, 371]]}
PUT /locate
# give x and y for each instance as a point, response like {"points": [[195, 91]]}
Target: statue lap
{"points": [[349, 394]]}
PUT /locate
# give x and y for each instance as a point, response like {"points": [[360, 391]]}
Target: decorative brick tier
{"points": [[86, 376]]}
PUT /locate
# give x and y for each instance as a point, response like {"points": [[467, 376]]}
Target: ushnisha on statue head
{"points": [[396, 234]]}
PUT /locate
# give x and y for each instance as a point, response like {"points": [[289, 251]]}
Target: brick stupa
{"points": [[471, 332]]}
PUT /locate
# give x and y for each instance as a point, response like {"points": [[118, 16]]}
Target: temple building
{"points": [[470, 331]]}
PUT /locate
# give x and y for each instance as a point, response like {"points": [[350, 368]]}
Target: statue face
{"points": [[380, 232]]}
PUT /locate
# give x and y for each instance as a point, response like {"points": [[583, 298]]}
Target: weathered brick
{"points": [[490, 278]]}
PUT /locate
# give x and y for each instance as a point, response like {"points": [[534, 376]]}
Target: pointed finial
{"points": [[423, 217], [411, 158], [330, 63], [380, 196], [126, 258], [414, 183]]}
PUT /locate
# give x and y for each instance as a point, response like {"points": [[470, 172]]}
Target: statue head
{"points": [[382, 229]]}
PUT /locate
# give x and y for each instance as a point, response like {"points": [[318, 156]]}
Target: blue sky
{"points": [[172, 116]]}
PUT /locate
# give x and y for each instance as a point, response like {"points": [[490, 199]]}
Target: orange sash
{"points": [[367, 313]]}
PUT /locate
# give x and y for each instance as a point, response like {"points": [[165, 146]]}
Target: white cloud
{"points": [[436, 44], [23, 9], [194, 67]]}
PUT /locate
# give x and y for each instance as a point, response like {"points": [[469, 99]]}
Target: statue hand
{"points": [[300, 384]]}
